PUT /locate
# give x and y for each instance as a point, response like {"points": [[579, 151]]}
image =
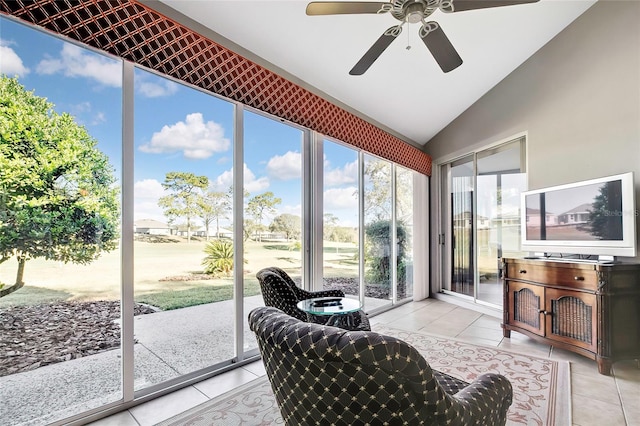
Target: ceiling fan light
{"points": [[415, 17]]}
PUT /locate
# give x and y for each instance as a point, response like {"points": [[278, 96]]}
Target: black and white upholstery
{"points": [[323, 375], [280, 291]]}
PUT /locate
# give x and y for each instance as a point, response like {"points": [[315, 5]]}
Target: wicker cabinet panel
{"points": [[588, 308], [526, 306], [571, 317]]}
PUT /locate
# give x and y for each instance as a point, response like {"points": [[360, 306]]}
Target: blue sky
{"points": [[177, 128]]}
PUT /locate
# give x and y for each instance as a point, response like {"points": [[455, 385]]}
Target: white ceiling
{"points": [[404, 91]]}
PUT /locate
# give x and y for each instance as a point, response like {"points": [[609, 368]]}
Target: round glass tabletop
{"points": [[329, 305]]}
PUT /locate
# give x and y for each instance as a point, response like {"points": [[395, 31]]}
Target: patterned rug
{"points": [[541, 391]]}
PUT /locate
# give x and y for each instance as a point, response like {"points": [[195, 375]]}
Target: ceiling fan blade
{"points": [[342, 7], [462, 5], [440, 47], [376, 50]]}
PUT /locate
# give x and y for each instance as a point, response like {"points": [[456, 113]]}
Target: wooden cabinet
{"points": [[589, 308]]}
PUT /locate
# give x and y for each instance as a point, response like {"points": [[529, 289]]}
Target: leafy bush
{"points": [[378, 252], [219, 259]]}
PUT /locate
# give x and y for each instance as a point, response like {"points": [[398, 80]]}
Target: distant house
{"points": [[533, 218], [464, 219], [151, 227], [224, 233], [578, 214]]}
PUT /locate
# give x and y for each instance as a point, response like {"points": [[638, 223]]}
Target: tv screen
{"points": [[595, 217]]}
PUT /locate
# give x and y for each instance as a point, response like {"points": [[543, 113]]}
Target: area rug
{"points": [[541, 391]]}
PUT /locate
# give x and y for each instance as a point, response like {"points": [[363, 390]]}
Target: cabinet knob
{"points": [[522, 271], [578, 278], [542, 311]]}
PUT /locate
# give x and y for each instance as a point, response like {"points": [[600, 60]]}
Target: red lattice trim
{"points": [[139, 34]]}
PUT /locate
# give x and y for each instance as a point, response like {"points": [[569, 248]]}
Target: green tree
{"points": [[377, 189], [58, 200], [260, 206], [604, 217], [212, 206], [378, 251], [182, 201], [330, 222], [288, 224], [249, 229]]}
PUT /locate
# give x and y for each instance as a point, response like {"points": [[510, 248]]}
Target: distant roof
{"points": [[150, 223], [582, 208]]}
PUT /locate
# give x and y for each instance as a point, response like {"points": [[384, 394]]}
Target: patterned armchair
{"points": [[326, 375], [280, 291]]}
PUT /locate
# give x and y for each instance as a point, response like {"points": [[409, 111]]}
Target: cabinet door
{"points": [[525, 304], [571, 318]]}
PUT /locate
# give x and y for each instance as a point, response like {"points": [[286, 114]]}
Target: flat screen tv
{"points": [[595, 217]]}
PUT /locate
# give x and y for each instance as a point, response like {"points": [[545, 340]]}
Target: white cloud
{"points": [[11, 64], [75, 61], [341, 198], [147, 192], [196, 139], [285, 167], [99, 118], [341, 176], [85, 109], [251, 184], [294, 210], [156, 90]]}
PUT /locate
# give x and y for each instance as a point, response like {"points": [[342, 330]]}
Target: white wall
{"points": [[577, 98]]}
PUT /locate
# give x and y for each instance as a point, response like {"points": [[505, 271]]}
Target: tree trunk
{"points": [[19, 279]]}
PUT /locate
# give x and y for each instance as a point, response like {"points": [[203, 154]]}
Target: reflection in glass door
{"points": [[499, 184], [481, 219], [462, 227]]}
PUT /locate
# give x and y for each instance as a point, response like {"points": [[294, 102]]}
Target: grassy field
{"points": [[163, 274]]}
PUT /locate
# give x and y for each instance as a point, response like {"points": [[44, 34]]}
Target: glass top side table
{"points": [[340, 312]]}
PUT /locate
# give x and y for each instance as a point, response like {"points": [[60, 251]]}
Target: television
{"points": [[596, 218]]}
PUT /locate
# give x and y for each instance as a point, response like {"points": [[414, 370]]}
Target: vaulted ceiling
{"points": [[404, 92]]}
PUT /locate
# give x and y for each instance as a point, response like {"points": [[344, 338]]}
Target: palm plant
{"points": [[219, 259]]}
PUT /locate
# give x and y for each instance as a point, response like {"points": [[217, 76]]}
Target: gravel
{"points": [[35, 336]]}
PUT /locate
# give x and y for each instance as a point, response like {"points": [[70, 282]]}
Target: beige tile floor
{"points": [[596, 399]]}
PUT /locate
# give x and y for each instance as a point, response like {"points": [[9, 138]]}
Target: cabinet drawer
{"points": [[566, 277]]}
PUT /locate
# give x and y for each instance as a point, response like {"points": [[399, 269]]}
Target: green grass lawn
{"points": [[162, 274], [167, 300]]}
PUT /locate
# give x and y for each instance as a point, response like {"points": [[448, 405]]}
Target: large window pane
{"points": [[60, 158], [404, 232], [378, 231], [183, 235], [273, 203], [340, 230]]}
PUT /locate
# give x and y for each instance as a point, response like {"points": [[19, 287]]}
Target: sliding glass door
{"points": [[480, 218], [462, 220]]}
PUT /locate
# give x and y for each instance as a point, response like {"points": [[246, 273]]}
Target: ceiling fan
{"points": [[412, 12]]}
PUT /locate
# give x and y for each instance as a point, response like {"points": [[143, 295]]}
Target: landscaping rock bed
{"points": [[35, 336]]}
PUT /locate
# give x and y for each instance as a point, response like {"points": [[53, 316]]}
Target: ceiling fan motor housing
{"points": [[413, 11]]}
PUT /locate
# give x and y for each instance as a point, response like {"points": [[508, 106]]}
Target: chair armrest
{"points": [[488, 398], [325, 293]]}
